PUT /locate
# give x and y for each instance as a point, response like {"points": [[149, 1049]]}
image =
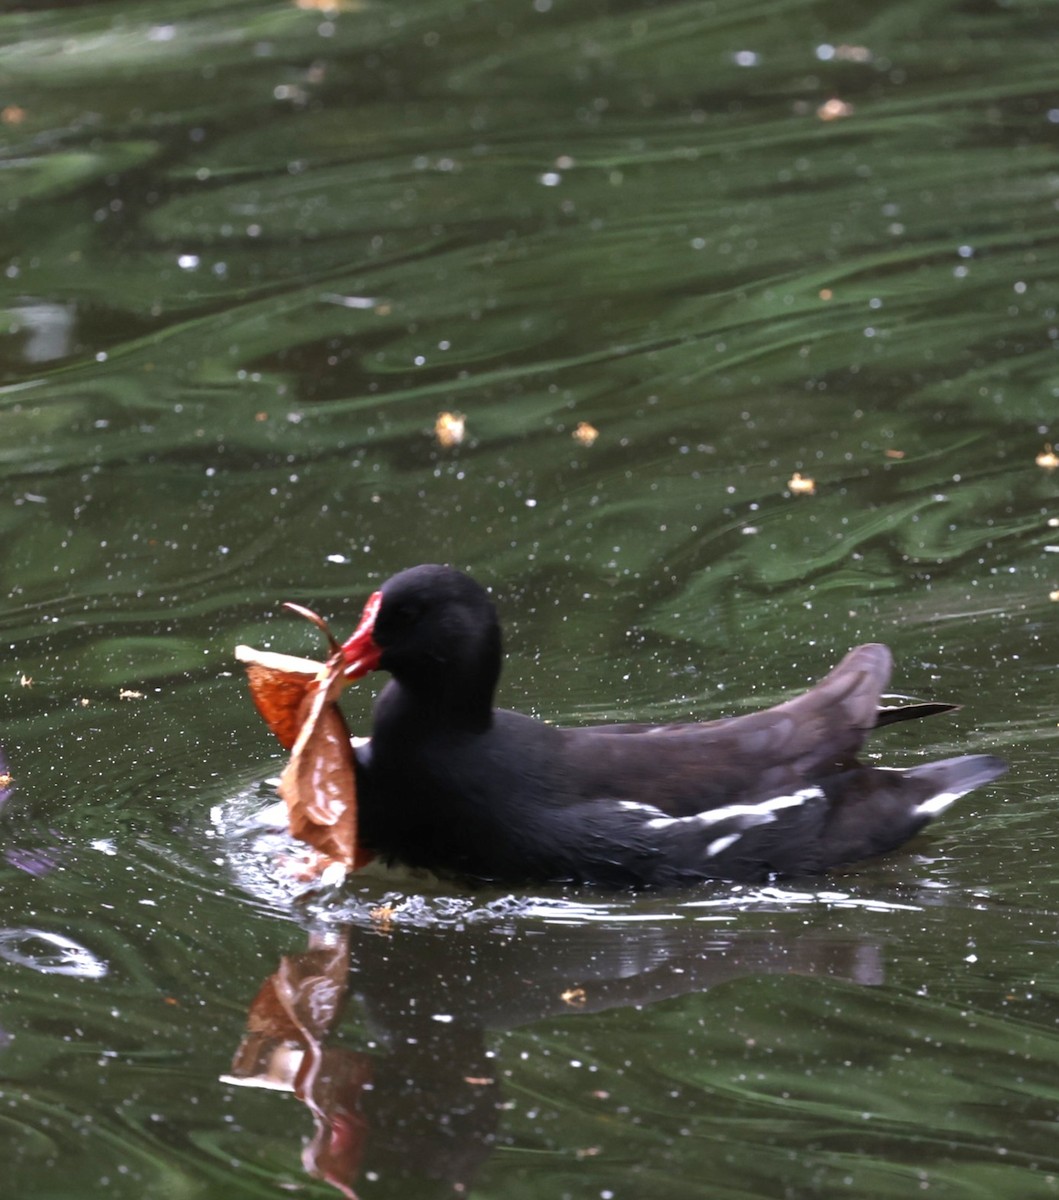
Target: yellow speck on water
{"points": [[834, 109], [450, 428], [382, 915], [585, 434], [801, 485], [330, 7], [1048, 459]]}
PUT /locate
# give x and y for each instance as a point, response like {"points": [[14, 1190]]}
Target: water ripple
{"points": [[50, 953]]}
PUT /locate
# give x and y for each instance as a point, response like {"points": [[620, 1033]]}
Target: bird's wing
{"points": [[683, 768]]}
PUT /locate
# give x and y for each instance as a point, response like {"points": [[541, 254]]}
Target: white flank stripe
{"points": [[937, 803], [636, 806], [721, 843], [752, 814], [748, 813]]}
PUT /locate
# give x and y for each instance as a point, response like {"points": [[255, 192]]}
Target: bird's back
{"points": [[689, 767]]}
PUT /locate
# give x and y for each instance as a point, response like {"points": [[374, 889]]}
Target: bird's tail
{"points": [[944, 782]]}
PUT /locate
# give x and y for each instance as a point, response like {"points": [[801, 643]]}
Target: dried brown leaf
{"points": [[297, 699], [319, 782], [279, 685]]}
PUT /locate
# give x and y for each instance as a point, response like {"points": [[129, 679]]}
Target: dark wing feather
{"points": [[685, 768], [911, 712]]}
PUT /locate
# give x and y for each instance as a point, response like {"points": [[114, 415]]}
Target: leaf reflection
{"points": [[427, 1100]]}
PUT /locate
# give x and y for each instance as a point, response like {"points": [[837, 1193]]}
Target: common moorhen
{"points": [[451, 783]]}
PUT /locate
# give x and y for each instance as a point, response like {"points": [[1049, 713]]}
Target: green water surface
{"points": [[248, 252]]}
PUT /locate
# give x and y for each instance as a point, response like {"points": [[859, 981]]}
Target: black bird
{"points": [[451, 783]]}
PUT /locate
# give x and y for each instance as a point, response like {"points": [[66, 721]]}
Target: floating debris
{"points": [[1048, 459], [449, 428], [826, 294], [834, 109], [843, 52], [382, 915], [366, 302], [799, 485], [894, 453], [585, 434], [328, 7], [129, 694]]}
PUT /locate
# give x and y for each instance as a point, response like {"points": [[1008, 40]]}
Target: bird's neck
{"points": [[445, 692], [433, 706]]}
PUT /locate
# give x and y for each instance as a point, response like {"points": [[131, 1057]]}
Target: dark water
{"points": [[250, 251]]}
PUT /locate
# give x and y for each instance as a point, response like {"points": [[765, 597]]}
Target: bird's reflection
{"points": [[427, 1101]]}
